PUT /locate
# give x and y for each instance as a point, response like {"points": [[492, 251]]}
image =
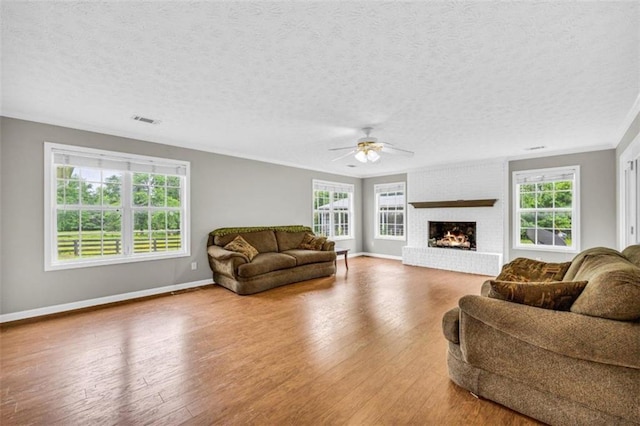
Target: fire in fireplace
{"points": [[456, 235]]}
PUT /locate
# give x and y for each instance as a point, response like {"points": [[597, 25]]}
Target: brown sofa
{"points": [[577, 366], [279, 260]]}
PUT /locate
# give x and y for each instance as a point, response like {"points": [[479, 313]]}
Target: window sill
{"points": [[60, 266], [381, 237], [341, 238], [553, 249]]}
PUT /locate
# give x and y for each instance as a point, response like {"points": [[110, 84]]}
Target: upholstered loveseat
{"points": [[565, 353], [260, 258]]}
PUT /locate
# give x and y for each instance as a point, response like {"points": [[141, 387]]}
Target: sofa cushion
{"points": [[613, 293], [239, 245], [266, 262], [304, 257], [263, 241], [311, 242], [632, 254], [557, 295], [289, 240], [579, 272], [523, 269]]}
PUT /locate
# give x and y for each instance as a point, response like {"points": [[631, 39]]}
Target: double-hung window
{"points": [[390, 210], [333, 209], [547, 209], [104, 207]]}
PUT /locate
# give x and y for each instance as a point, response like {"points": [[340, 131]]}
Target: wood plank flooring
{"points": [[364, 347]]}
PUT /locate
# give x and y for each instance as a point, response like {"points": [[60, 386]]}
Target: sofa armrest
{"points": [[567, 333], [225, 262], [451, 325], [218, 253]]}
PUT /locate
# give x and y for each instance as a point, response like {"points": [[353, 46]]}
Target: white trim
{"points": [[626, 123], [629, 154], [381, 256], [48, 310], [332, 187], [575, 205], [383, 188], [51, 149]]}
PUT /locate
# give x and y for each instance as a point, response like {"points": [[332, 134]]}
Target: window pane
{"points": [[112, 189], [527, 200], [544, 220], [159, 221], [173, 181], [141, 221], [174, 241], [158, 180], [140, 196], [563, 199], [565, 185], [173, 220], [91, 220], [158, 196], [68, 192], [173, 197], [544, 199], [141, 179], [159, 241], [141, 242]]}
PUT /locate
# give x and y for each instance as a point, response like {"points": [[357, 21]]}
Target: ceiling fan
{"points": [[368, 149]]}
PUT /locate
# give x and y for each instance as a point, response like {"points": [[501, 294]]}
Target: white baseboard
{"points": [[55, 309], [382, 256]]}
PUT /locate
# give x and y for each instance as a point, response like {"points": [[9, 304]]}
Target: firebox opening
{"points": [[456, 235]]}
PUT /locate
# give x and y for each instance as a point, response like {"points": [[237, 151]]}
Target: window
{"points": [[333, 209], [390, 202], [546, 204], [105, 207]]}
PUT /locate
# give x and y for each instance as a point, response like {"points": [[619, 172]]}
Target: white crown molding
{"points": [[538, 154], [626, 123]]}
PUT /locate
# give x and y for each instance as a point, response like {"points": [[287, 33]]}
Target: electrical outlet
{"points": [[194, 266]]}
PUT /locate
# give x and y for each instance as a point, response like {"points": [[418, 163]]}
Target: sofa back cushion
{"points": [[578, 271], [632, 254], [613, 291], [263, 241], [289, 240]]}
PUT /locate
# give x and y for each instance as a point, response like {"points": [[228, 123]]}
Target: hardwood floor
{"points": [[363, 347]]}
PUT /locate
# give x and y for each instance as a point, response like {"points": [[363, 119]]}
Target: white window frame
{"points": [[385, 188], [332, 187], [140, 163], [547, 175]]}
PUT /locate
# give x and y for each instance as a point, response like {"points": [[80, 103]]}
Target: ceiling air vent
{"points": [[535, 148], [145, 119]]}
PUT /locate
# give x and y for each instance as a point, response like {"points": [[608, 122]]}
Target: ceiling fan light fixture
{"points": [[361, 156], [373, 156]]}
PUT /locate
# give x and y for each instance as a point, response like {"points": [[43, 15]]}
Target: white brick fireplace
{"points": [[464, 182]]}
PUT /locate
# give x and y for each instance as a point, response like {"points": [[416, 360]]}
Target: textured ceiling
{"points": [[285, 81]]}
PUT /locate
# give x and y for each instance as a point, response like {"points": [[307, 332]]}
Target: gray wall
{"points": [[597, 200], [369, 243], [225, 191]]}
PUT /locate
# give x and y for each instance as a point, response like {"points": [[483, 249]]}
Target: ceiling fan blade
{"points": [[345, 155], [394, 150], [340, 149]]}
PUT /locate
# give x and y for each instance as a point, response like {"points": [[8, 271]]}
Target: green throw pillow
{"points": [[240, 245], [556, 295]]}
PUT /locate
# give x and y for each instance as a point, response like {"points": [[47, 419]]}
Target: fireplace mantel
{"points": [[453, 203]]}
